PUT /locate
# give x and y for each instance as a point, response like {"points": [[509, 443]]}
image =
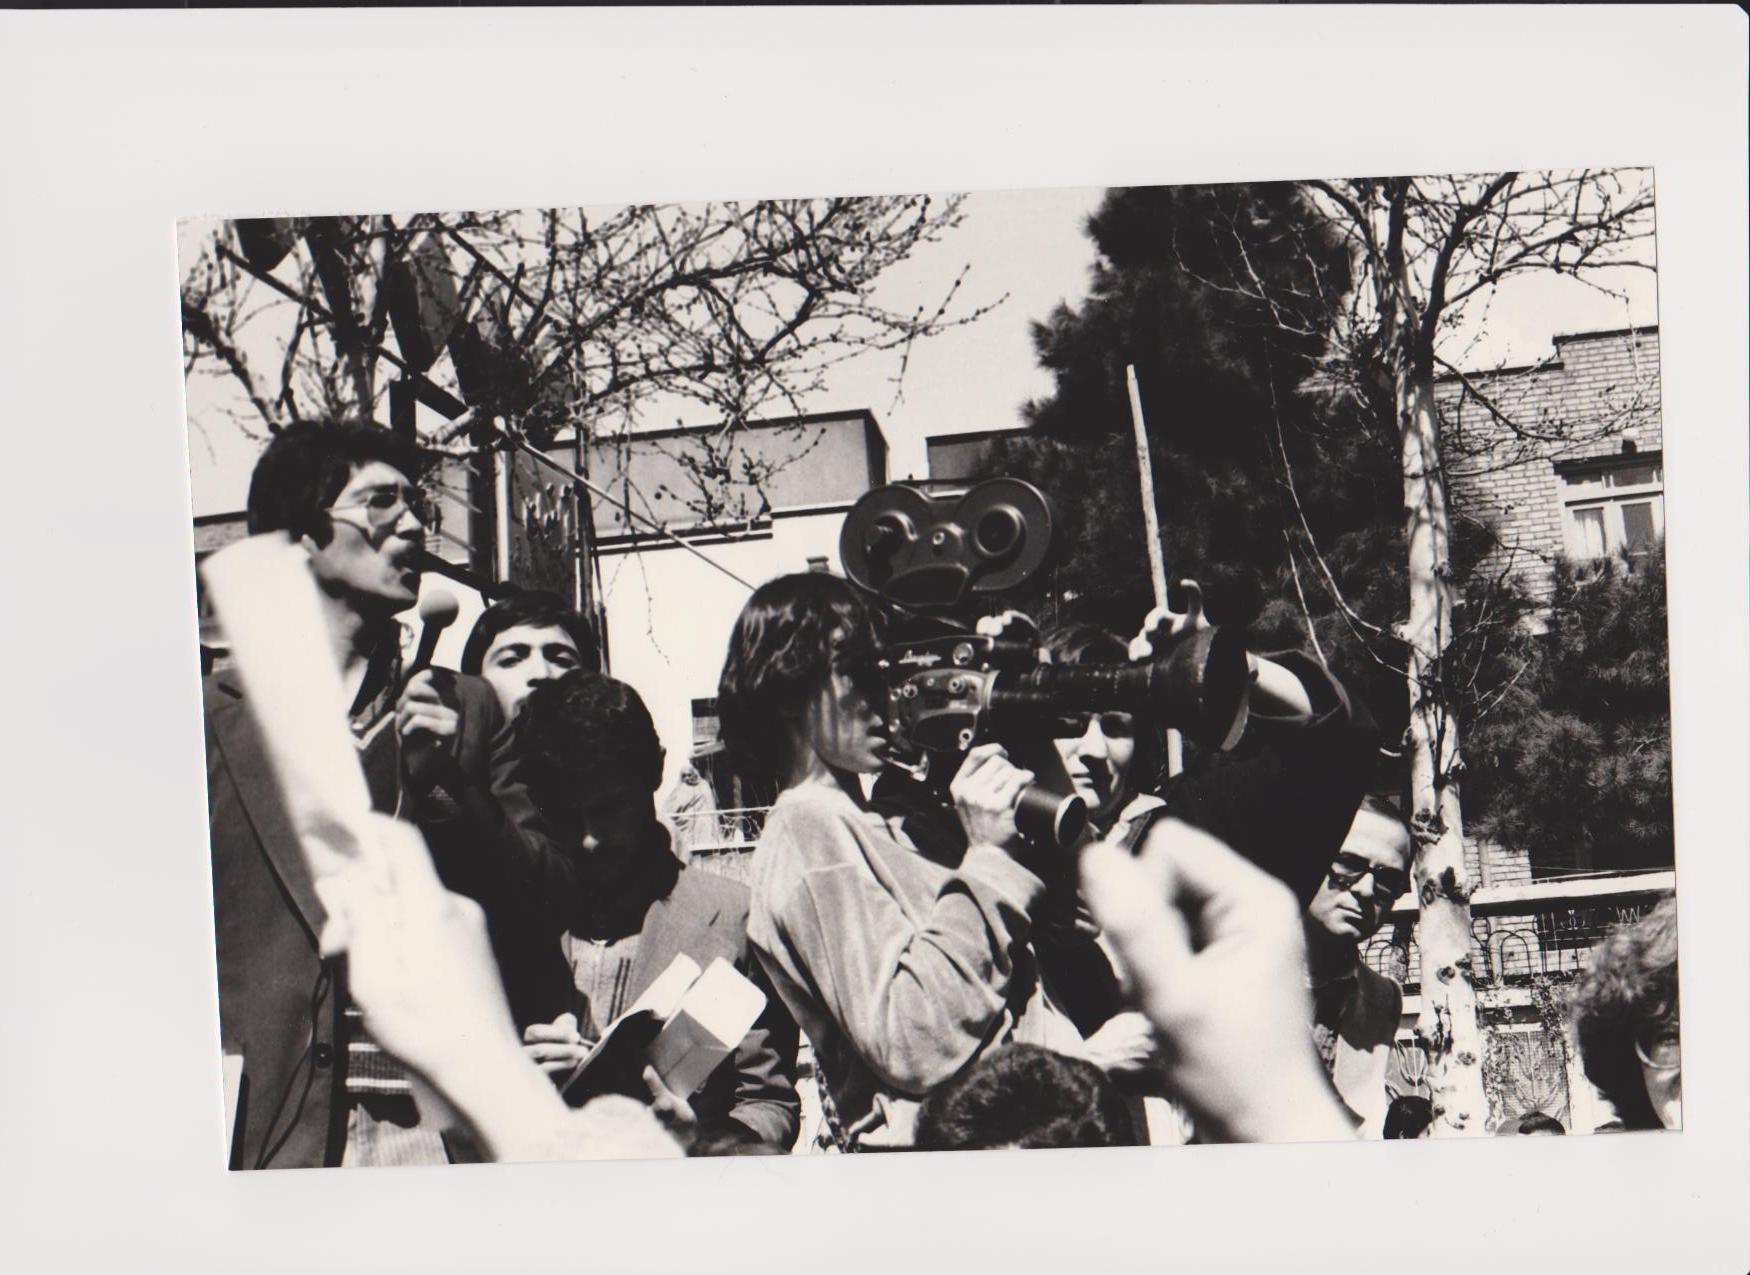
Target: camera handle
{"points": [[1050, 818]]}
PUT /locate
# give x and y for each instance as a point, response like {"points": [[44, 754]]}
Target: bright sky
{"points": [[1028, 244]]}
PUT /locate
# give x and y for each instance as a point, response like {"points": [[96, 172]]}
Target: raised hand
{"points": [[1214, 954], [1123, 1046], [1163, 626], [420, 966]]}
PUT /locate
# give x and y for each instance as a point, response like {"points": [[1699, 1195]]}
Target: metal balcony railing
{"points": [[722, 841], [1543, 929]]}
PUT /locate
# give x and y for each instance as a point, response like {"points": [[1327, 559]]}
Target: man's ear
{"points": [[312, 545]]}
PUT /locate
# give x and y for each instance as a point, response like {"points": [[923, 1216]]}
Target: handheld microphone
{"points": [[438, 610], [420, 752]]}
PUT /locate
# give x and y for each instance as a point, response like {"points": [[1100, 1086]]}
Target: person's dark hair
{"points": [[1025, 1096], [1408, 1116], [780, 654], [1629, 988], [1535, 1122], [535, 610], [1387, 805], [1085, 644], [1073, 644], [308, 463], [584, 735]]}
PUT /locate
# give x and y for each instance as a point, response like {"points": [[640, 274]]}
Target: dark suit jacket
{"points": [[279, 1003], [705, 917]]}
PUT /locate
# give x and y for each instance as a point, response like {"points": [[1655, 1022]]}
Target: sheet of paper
{"points": [[266, 600], [705, 1028], [660, 1000], [233, 1082]]}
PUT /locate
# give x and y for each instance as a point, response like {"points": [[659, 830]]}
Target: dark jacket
{"points": [[1286, 796], [705, 917], [279, 1004]]}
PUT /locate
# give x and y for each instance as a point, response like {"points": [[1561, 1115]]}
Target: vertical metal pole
{"points": [[403, 416], [589, 595], [1151, 520], [501, 464]]}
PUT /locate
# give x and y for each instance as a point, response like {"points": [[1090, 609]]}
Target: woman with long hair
{"points": [[900, 968]]}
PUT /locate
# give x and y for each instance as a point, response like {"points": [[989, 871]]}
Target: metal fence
{"points": [[1511, 948], [722, 841]]}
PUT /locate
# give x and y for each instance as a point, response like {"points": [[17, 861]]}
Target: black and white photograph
{"points": [[646, 620], [800, 632]]}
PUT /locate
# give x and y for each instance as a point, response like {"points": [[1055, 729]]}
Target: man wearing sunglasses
{"points": [[435, 750], [1355, 1009]]}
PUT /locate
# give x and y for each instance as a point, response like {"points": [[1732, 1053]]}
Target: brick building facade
{"points": [[1562, 457]]}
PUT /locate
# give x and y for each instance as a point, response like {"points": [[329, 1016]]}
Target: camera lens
{"points": [[887, 533], [998, 532]]}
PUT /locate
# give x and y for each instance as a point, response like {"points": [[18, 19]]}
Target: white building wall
{"points": [[669, 614]]}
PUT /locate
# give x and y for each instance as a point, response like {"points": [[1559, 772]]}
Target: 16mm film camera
{"points": [[933, 559]]}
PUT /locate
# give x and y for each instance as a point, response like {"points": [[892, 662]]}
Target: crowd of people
{"points": [[1189, 970]]}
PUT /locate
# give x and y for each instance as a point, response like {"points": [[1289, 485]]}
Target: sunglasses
{"points": [[1389, 883], [1658, 1050], [383, 506], [1112, 725]]}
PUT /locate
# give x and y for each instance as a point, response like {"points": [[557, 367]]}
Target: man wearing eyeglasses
{"points": [[1355, 1009], [434, 750]]}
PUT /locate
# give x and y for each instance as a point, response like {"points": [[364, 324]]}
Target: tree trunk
{"points": [[1447, 1026]]}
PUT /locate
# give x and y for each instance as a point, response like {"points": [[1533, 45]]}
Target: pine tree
{"points": [[1221, 297], [1576, 767]]}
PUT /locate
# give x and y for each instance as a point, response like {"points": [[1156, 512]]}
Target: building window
{"points": [[1613, 508]]}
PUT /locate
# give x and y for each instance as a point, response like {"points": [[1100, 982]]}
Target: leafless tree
{"points": [[561, 319], [1429, 252]]}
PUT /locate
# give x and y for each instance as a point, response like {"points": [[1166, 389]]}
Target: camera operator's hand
{"points": [[1010, 626], [1214, 954], [1164, 626], [985, 792]]}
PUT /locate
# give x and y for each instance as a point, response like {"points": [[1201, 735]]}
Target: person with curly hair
{"points": [[1022, 1096], [1625, 1021], [593, 763]]}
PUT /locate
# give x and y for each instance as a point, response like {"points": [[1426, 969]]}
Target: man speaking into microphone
{"points": [[435, 749]]}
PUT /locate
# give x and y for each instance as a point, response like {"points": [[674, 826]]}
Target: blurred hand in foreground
{"points": [[1214, 954], [1123, 1046], [420, 966]]}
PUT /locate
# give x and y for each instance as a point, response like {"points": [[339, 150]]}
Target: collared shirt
{"points": [[601, 970]]}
